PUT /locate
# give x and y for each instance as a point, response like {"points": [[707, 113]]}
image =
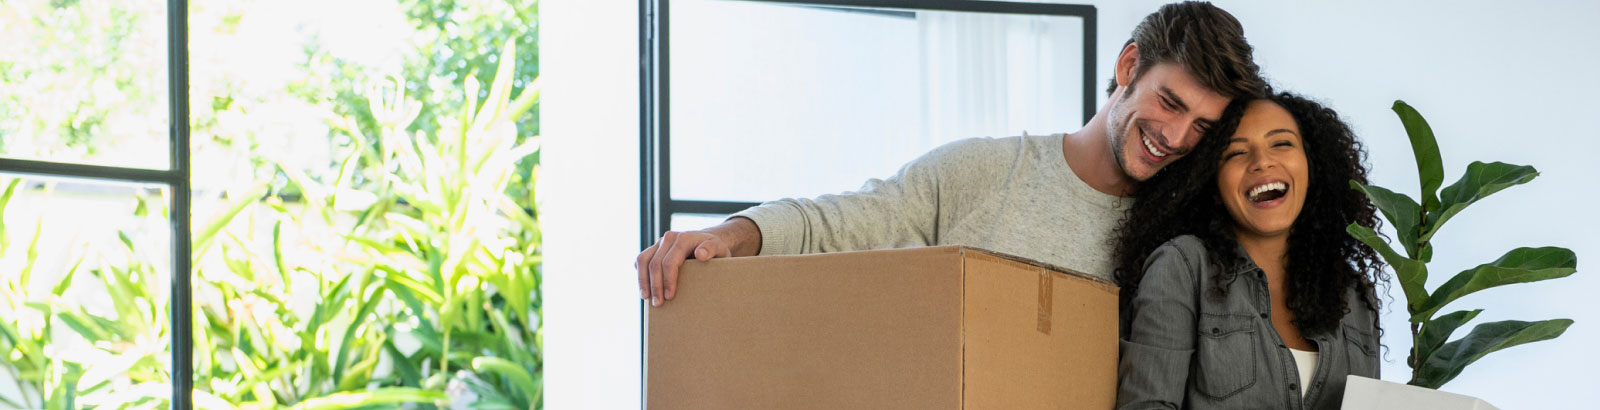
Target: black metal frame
{"points": [[176, 178], [656, 205], [655, 154]]}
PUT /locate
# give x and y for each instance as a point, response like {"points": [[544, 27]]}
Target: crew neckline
{"points": [[1078, 187]]}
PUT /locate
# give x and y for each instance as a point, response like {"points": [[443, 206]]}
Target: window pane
{"points": [[365, 237], [689, 222], [772, 100], [87, 269], [84, 81]]}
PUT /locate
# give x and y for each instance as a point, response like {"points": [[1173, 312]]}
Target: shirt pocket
{"points": [[1226, 355], [1361, 348]]}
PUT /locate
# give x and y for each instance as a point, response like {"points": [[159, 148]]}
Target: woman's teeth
{"points": [[1256, 194]]}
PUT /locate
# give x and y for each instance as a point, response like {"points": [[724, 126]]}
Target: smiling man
{"points": [[1053, 198]]}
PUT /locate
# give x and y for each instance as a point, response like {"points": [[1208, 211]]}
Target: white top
{"points": [[1306, 363]]}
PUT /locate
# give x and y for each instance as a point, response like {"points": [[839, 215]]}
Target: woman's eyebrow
{"points": [[1280, 130]]}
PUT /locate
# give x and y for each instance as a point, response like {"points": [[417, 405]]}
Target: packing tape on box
{"points": [[1045, 300]]}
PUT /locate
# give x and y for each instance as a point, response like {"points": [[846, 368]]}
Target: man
{"points": [[1056, 199]]}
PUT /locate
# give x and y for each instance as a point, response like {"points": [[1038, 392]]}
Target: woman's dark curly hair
{"points": [[1324, 262]]}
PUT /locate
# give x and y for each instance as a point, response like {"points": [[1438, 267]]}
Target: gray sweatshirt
{"points": [[1013, 195]]}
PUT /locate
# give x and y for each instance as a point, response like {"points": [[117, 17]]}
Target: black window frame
{"points": [[175, 178], [656, 204]]}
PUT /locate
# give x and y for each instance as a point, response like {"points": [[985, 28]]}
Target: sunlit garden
{"points": [[364, 226]]}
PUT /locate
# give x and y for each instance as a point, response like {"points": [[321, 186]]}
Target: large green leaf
{"points": [[1521, 265], [1479, 182], [1435, 332], [1430, 167], [1401, 211], [1413, 275], [1447, 362], [517, 374]]}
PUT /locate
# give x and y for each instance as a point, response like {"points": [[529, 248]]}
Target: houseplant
{"points": [[1434, 359]]}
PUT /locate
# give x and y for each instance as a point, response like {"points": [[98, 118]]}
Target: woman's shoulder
{"points": [[1181, 258], [1187, 246]]}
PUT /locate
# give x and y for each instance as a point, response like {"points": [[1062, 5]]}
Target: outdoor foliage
{"points": [[365, 232], [1434, 358]]}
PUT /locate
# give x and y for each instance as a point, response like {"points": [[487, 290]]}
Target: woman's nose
{"points": [[1260, 161]]}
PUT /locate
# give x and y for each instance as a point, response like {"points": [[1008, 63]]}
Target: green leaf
{"points": [[1450, 359], [519, 376], [277, 255], [1521, 265], [524, 101], [78, 322], [1479, 182], [66, 280], [1437, 331], [410, 370], [1413, 275], [494, 105], [260, 382], [355, 324], [1430, 167], [385, 395], [1401, 211], [5, 198], [203, 237]]}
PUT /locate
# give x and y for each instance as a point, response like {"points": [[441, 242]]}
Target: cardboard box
{"points": [[926, 328]]}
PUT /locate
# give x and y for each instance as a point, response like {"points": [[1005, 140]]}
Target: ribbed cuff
{"points": [[781, 226]]}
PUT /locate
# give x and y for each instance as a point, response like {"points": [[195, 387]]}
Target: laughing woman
{"points": [[1241, 289]]}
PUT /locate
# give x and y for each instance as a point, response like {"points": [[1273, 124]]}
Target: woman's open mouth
{"points": [[1268, 195]]}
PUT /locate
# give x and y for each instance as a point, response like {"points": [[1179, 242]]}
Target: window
{"points": [[748, 101], [267, 204]]}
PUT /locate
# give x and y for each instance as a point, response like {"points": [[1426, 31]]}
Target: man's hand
{"points": [[658, 265]]}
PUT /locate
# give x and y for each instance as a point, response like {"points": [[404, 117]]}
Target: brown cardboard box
{"points": [[927, 328]]}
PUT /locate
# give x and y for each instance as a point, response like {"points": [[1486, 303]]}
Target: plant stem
{"points": [[1416, 360], [444, 358]]}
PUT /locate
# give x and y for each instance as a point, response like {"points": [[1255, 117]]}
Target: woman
{"points": [[1241, 289]]}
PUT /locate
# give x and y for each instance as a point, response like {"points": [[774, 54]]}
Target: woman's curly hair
{"points": [[1323, 261]]}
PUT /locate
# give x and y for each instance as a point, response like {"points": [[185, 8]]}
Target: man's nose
{"points": [[1182, 135]]}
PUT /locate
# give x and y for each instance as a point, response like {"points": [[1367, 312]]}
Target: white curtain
{"points": [[999, 75]]}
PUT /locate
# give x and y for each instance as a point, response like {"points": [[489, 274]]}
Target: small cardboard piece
{"points": [[1372, 394], [926, 328]]}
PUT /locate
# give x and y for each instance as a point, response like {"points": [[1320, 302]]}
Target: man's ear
{"points": [[1127, 62]]}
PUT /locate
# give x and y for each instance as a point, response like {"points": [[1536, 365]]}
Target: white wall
{"points": [[1498, 81], [589, 185]]}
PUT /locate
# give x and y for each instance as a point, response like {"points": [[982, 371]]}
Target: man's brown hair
{"points": [[1202, 38]]}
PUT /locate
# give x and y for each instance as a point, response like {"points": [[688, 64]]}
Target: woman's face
{"points": [[1264, 176]]}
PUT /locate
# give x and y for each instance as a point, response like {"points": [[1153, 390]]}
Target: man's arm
{"points": [[905, 209]]}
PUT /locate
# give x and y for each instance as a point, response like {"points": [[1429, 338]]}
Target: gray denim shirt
{"points": [[1185, 347]]}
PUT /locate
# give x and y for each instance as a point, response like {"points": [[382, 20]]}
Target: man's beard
{"points": [[1118, 127]]}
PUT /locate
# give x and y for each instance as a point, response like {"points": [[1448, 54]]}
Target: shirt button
{"points": [[1293, 387], [1215, 331], [1263, 315]]}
